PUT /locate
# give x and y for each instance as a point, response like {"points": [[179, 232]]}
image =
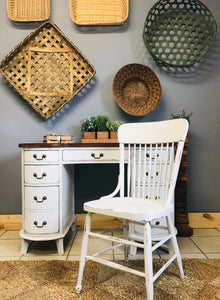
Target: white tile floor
{"points": [[205, 243]]}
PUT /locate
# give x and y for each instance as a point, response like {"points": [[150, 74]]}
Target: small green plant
{"points": [[182, 115], [113, 125], [88, 124], [101, 123]]}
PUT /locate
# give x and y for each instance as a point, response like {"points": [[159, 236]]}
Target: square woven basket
{"points": [[28, 10], [99, 12], [47, 69]]}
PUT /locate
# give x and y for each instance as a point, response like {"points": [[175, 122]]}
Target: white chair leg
{"points": [[84, 250], [125, 233], [148, 261], [175, 245]]}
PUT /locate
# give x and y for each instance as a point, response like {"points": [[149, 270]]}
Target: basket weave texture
{"points": [[137, 89], [28, 10], [99, 12], [178, 33], [47, 69]]}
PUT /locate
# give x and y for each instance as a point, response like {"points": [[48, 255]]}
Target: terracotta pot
{"points": [[114, 135], [89, 135], [102, 134]]}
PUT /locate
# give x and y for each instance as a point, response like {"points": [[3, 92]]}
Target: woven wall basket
{"points": [[178, 33], [47, 69], [28, 10], [137, 89], [99, 12]]}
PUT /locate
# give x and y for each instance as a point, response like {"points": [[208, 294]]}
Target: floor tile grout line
{"points": [[198, 247]]}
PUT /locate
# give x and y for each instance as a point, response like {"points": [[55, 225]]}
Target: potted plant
{"points": [[102, 130], [113, 126], [88, 127]]}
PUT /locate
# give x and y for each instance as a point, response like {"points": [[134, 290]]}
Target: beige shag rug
{"points": [[51, 280]]}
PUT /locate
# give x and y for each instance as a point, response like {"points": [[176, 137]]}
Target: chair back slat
{"points": [[152, 168]]}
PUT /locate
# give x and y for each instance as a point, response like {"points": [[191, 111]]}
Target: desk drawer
{"points": [[41, 222], [41, 156], [41, 197], [91, 155], [41, 174]]}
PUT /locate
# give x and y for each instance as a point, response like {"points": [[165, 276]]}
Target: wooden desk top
{"points": [[72, 145]]}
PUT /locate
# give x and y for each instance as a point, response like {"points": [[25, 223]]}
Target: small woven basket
{"points": [[47, 69], [99, 12], [137, 89], [28, 10], [178, 33]]}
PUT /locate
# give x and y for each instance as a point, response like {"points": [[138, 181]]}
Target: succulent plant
{"points": [[113, 125], [182, 115], [88, 124]]}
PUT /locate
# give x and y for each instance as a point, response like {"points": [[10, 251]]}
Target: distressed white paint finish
{"points": [[154, 153]]}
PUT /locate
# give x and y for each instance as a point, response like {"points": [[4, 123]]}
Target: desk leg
{"points": [[24, 246], [60, 248]]}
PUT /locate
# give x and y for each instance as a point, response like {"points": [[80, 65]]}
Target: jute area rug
{"points": [[51, 280]]}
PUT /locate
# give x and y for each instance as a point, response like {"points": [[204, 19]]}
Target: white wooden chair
{"points": [[146, 197]]}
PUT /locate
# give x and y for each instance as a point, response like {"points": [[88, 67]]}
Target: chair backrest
{"points": [[152, 153]]}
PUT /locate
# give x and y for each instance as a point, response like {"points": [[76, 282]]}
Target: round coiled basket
{"points": [[137, 89], [178, 33]]}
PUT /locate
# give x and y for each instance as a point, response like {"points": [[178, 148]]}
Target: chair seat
{"points": [[138, 209]]}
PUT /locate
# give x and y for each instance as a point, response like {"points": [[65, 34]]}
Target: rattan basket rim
{"points": [[151, 105], [96, 15], [28, 10]]}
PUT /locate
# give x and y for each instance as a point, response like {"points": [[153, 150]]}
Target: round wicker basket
{"points": [[178, 33], [137, 89]]}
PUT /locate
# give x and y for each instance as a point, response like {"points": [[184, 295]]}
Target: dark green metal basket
{"points": [[178, 33]]}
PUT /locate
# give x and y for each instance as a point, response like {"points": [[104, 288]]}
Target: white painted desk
{"points": [[48, 187]]}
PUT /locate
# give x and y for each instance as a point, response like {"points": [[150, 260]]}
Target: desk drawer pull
{"points": [[40, 201], [42, 176], [97, 157], [40, 226], [42, 157]]}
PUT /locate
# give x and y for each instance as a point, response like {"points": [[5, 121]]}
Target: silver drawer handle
{"points": [[42, 157], [40, 226], [40, 201], [42, 176], [97, 157]]}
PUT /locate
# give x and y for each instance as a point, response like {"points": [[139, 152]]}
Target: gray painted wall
{"points": [[108, 49]]}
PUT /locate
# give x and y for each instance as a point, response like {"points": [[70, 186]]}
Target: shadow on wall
{"points": [[10, 183]]}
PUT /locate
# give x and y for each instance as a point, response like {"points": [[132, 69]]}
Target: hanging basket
{"points": [[28, 10], [47, 69], [178, 33], [137, 89], [99, 12]]}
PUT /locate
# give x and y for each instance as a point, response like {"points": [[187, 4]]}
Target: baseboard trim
{"points": [[196, 220]]}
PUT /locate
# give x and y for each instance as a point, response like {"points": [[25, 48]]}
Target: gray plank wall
{"points": [[108, 49]]}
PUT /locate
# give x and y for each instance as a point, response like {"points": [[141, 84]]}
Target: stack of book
{"points": [[56, 139]]}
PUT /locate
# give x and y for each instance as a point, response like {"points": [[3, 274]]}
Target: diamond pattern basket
{"points": [[47, 69], [178, 33], [99, 12], [28, 10]]}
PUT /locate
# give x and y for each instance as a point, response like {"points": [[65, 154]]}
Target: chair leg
{"points": [[84, 250], [148, 261], [175, 245], [125, 233]]}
